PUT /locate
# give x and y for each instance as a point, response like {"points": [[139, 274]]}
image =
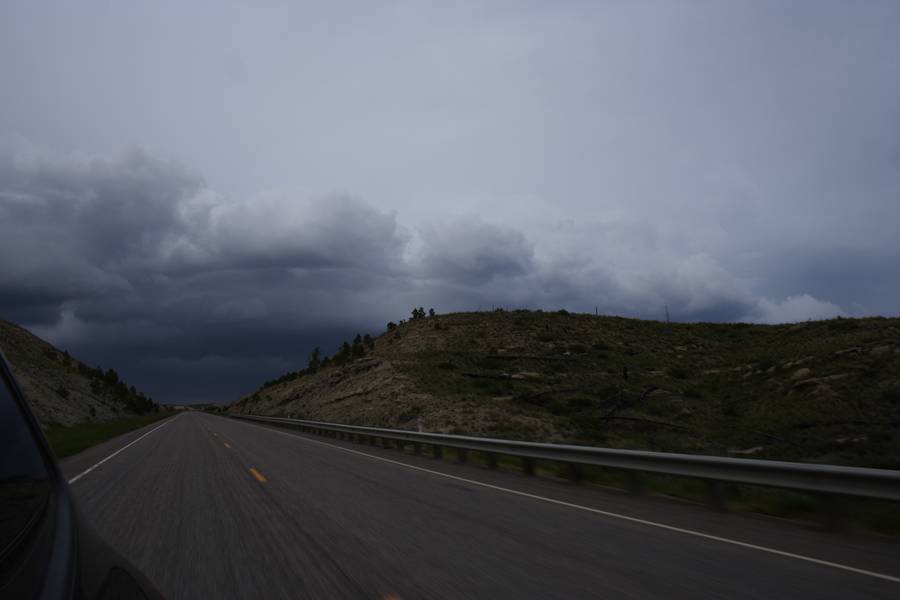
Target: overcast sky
{"points": [[197, 193]]}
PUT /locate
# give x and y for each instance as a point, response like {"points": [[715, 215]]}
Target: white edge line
{"points": [[699, 534], [85, 472]]}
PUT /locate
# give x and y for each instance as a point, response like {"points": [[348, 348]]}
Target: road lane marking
{"points": [[259, 476], [227, 445], [598, 511], [83, 473]]}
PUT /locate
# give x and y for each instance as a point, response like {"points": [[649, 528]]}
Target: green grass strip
{"points": [[67, 441]]}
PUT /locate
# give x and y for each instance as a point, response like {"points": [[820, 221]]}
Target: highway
{"points": [[210, 507]]}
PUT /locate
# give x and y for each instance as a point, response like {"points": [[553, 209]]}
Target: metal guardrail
{"points": [[881, 484]]}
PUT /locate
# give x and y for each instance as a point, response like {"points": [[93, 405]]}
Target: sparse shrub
{"points": [[63, 392], [840, 324], [391, 326], [343, 355], [315, 360], [763, 364], [562, 311], [490, 363], [678, 372], [409, 415], [545, 336], [577, 348], [891, 395], [692, 393], [580, 402]]}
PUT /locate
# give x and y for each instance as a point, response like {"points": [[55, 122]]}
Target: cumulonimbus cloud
{"points": [[137, 252]]}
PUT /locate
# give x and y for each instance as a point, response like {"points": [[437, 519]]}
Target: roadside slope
{"points": [[823, 391], [62, 390]]}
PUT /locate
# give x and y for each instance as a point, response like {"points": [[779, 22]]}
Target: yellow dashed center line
{"points": [[259, 476]]}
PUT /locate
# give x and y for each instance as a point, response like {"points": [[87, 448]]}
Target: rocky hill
{"points": [[61, 389], [819, 391]]}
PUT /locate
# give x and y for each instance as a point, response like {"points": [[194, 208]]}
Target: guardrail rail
{"points": [[828, 481]]}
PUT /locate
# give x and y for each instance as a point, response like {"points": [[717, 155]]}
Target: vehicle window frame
{"points": [[29, 554]]}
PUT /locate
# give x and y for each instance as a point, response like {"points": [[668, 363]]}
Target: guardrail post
{"points": [[576, 473], [634, 483], [371, 440], [528, 465], [715, 494], [834, 512], [438, 451], [491, 460], [462, 455], [417, 448]]}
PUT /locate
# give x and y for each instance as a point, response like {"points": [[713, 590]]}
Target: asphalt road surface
{"points": [[210, 507]]}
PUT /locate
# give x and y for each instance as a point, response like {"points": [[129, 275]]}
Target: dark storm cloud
{"points": [[137, 258], [468, 251]]}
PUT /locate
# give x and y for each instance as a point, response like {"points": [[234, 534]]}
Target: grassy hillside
{"points": [[62, 390], [824, 391]]}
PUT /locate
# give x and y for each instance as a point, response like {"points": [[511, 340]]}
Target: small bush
{"points": [[840, 324], [891, 395], [63, 392], [580, 402], [678, 372], [600, 345], [764, 364]]}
